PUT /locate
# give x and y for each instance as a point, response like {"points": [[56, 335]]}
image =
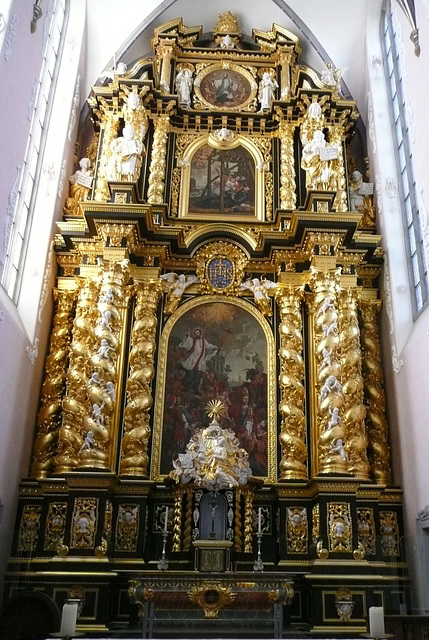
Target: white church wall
{"points": [[24, 327]]}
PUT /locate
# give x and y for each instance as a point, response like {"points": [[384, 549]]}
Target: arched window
{"points": [[21, 219], [411, 212]]}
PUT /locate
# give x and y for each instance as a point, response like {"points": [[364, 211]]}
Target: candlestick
{"points": [[259, 520], [376, 622], [166, 520], [68, 620]]}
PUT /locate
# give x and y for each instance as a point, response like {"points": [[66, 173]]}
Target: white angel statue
{"points": [[260, 288], [174, 285]]}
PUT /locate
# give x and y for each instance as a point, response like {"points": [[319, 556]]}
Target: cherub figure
{"points": [[328, 329], [260, 288], [174, 285], [88, 442], [331, 384], [335, 419], [338, 447], [104, 349]]}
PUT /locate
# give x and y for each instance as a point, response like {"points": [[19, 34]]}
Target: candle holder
{"points": [[163, 563], [258, 565]]}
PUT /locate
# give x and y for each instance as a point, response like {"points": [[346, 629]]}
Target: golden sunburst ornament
{"points": [[215, 409]]}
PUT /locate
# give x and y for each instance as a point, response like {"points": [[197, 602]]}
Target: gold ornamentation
{"points": [[220, 268], [227, 23], [315, 529], [287, 166], [353, 409], [49, 416], [84, 523], [366, 530], [297, 530], [101, 385], [74, 404], [359, 553], [344, 604], [322, 552], [55, 525], [155, 193], [211, 597], [332, 455], [339, 527], [62, 550], [215, 409], [336, 137], [29, 527], [127, 527], [379, 452], [135, 441], [389, 533], [109, 128], [291, 407]]}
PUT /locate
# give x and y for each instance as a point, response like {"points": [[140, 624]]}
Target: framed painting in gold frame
{"points": [[222, 179], [225, 86], [216, 349]]}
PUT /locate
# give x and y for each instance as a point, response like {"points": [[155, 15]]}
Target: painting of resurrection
{"points": [[216, 350]]}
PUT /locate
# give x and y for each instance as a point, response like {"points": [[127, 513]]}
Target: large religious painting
{"points": [[222, 181], [216, 350]]}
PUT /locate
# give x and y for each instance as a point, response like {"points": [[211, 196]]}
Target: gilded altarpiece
{"points": [[216, 310]]}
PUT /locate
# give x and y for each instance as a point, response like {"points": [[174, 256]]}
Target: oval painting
{"points": [[225, 88]]}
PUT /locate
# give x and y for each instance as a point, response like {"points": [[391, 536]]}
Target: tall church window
{"points": [[407, 184], [20, 224]]}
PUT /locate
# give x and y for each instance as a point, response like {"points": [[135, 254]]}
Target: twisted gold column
{"points": [[287, 166], [378, 448], [155, 193], [75, 401], [329, 399], [291, 407], [49, 416], [351, 369], [102, 384], [135, 441]]}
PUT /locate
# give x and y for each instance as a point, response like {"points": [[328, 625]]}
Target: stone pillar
{"points": [[155, 194], [135, 441], [293, 425], [378, 448], [97, 448], [75, 401], [354, 411], [49, 416]]}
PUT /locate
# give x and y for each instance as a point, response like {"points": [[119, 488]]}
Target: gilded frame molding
{"points": [[161, 390]]}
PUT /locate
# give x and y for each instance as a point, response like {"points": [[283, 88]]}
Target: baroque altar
{"points": [[218, 248]]}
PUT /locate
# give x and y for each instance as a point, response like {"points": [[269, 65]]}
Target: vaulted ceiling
{"points": [[332, 30]]}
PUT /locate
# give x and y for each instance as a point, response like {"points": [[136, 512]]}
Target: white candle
{"points": [[68, 620], [259, 520], [166, 520], [376, 622]]}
